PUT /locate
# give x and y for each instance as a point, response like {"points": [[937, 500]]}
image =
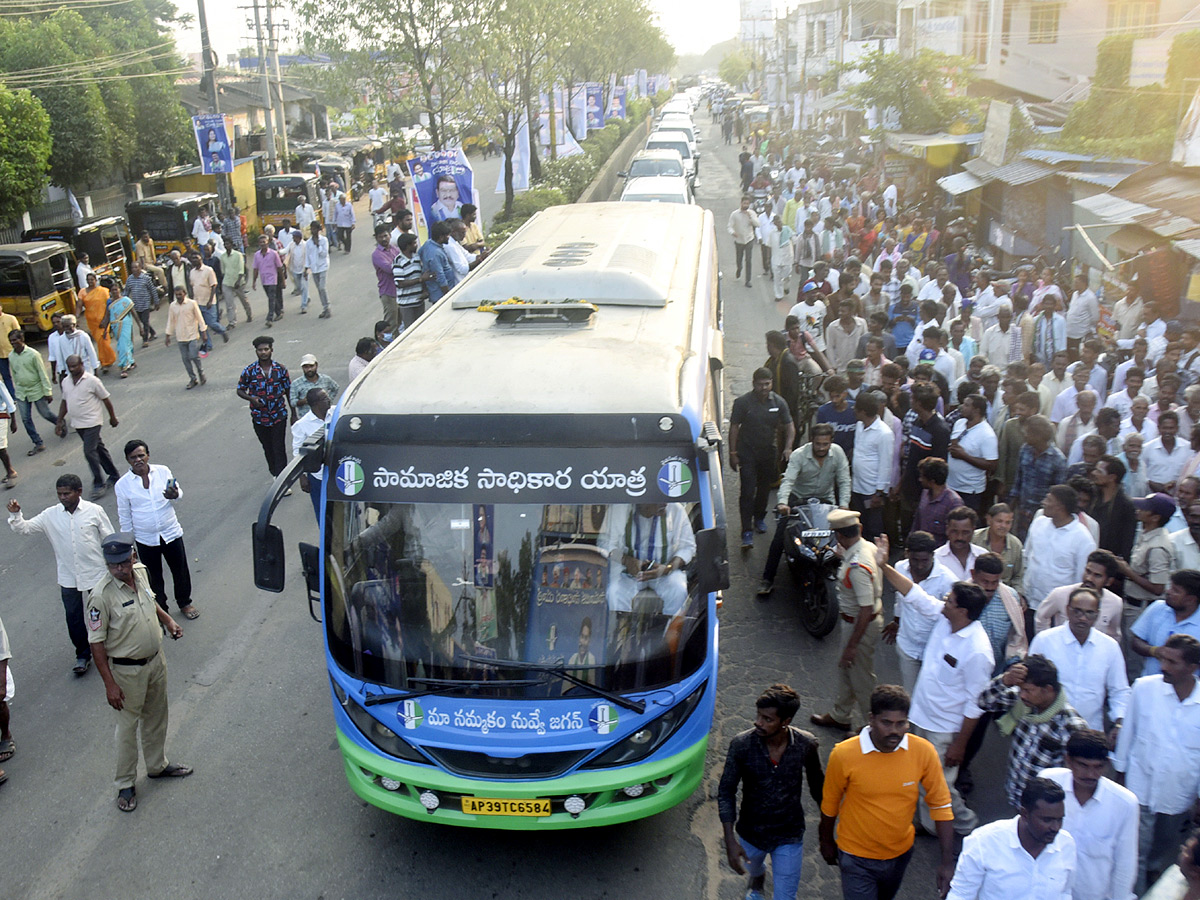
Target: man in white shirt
{"points": [[1102, 816], [648, 545], [1099, 574], [1089, 354], [82, 271], [318, 403], [944, 709], [1065, 403], [959, 552], [1090, 664], [811, 310], [933, 289], [871, 465], [1158, 753], [1082, 316], [998, 340], [742, 228], [1053, 383], [146, 498], [74, 528], [974, 452], [297, 264], [1187, 548], [1165, 456], [378, 196], [1122, 401], [305, 214], [1056, 547], [1027, 857], [910, 626], [316, 261]]}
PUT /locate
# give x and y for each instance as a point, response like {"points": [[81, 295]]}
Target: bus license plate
{"points": [[490, 806]]}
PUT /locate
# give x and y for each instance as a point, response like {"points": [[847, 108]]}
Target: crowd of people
{"points": [[1024, 483]]}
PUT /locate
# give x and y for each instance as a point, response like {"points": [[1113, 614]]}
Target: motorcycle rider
{"points": [[817, 470]]}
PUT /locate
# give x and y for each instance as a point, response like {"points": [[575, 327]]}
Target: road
{"points": [[268, 813]]}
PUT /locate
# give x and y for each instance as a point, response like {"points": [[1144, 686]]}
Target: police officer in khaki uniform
{"points": [[860, 606], [125, 629]]}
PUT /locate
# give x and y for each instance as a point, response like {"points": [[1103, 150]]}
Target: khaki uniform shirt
{"points": [[859, 580], [123, 619], [1153, 558]]}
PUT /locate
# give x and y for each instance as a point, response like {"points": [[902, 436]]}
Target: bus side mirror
{"points": [[267, 547], [712, 566]]}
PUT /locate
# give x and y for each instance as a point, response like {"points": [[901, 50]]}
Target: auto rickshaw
{"points": [[331, 166], [105, 239], [37, 280], [169, 218], [279, 195]]}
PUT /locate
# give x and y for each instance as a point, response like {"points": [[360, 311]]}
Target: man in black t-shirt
{"points": [[760, 439]]}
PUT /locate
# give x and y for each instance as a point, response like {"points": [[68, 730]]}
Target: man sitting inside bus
{"points": [[649, 545]]}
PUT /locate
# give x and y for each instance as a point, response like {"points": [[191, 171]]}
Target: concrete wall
{"points": [[606, 179]]}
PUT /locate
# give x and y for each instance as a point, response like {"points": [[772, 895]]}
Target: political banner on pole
{"points": [[579, 123], [595, 106], [642, 82], [212, 142], [443, 181], [616, 109], [520, 161], [560, 121]]}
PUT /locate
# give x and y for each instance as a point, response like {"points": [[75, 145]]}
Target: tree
{"points": [[403, 50], [24, 152], [927, 90], [734, 68]]}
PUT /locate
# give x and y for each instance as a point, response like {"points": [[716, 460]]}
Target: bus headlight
{"points": [[649, 737], [382, 737]]}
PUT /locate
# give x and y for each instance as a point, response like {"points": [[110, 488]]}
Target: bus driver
{"points": [[648, 545]]}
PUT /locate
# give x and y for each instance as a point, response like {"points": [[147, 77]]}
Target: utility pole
{"points": [[269, 125], [280, 109], [210, 87]]}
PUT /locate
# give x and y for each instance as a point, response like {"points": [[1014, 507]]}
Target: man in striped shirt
{"points": [[410, 280]]}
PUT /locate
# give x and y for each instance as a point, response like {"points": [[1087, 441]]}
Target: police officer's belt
{"points": [[126, 661]]}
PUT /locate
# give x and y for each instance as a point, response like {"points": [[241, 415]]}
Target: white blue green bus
{"points": [[522, 539]]}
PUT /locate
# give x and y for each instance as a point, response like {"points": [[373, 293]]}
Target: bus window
{"points": [[418, 591]]}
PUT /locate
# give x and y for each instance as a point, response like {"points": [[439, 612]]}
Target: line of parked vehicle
{"points": [[667, 170]]}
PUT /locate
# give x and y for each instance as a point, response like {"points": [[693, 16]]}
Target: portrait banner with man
{"points": [[443, 181], [212, 142], [595, 106]]}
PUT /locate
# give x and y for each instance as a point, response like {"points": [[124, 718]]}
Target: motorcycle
{"points": [[812, 558]]}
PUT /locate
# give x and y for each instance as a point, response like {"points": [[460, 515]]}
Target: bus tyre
{"points": [[818, 606]]}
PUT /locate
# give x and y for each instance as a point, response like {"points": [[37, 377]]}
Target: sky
{"points": [[692, 26]]}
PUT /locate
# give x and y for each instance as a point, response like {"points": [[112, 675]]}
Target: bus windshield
{"points": [[423, 593]]}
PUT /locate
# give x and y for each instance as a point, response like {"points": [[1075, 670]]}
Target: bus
{"points": [[522, 540]]}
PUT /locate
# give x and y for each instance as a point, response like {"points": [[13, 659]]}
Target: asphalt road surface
{"points": [[268, 813]]}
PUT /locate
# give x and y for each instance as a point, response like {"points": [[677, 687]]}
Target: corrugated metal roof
{"points": [[1115, 209], [1172, 192], [960, 183], [979, 167], [1056, 157], [1104, 179], [1191, 247], [1021, 172]]}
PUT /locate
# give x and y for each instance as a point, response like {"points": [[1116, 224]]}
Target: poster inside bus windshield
{"points": [[509, 474]]}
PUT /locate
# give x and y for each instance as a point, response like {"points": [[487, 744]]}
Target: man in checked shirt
{"points": [[1033, 708]]}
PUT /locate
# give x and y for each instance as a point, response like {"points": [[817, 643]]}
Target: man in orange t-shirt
{"points": [[872, 786]]}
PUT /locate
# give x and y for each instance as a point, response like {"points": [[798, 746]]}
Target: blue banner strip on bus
{"points": [[409, 474]]}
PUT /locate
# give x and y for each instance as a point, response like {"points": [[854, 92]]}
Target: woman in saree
{"points": [[94, 300], [119, 320]]}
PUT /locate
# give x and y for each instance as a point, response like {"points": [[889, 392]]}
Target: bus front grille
{"points": [[531, 765]]}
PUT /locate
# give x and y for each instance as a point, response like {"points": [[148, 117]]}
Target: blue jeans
{"points": [[26, 407], [871, 879], [318, 279], [210, 319], [300, 283], [785, 863]]}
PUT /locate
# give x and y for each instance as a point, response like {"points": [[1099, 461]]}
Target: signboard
{"points": [[995, 133], [943, 34], [616, 109], [595, 106], [212, 143], [443, 180], [1148, 64], [411, 474]]}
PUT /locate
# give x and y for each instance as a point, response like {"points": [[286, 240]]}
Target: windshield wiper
{"points": [[637, 706], [445, 686]]}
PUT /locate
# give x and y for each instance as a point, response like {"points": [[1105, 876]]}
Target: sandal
{"points": [[36, 450], [7, 749], [127, 799], [190, 612], [174, 770]]}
